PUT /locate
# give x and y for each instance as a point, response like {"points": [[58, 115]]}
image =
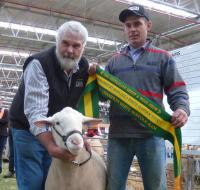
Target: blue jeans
{"points": [[31, 160], [151, 156], [2, 145]]}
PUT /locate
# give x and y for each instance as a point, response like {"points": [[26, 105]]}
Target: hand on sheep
{"points": [[46, 139], [62, 154], [87, 145]]}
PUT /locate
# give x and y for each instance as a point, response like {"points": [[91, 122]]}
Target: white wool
{"points": [[65, 175]]}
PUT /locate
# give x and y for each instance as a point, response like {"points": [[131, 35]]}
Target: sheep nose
{"points": [[76, 141]]}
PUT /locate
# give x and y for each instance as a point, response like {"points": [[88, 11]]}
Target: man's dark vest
{"points": [[60, 95]]}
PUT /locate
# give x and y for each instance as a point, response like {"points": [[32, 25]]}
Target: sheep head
{"points": [[67, 128]]}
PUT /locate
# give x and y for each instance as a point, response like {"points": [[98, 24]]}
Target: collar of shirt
{"points": [[69, 75], [74, 70], [136, 52]]}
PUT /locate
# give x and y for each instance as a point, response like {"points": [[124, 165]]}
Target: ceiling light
{"points": [[159, 6], [27, 28], [102, 41], [50, 32], [14, 53]]}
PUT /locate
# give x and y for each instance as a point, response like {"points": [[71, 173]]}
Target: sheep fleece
{"points": [[66, 176]]}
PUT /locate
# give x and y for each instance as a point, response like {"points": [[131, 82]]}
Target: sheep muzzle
{"points": [[65, 137]]}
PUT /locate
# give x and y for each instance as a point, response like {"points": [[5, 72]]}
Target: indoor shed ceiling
{"points": [[99, 16]]}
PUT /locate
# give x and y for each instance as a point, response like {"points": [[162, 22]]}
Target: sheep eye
{"points": [[57, 123]]}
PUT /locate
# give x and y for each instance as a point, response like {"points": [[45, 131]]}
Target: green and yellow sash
{"points": [[141, 108]]}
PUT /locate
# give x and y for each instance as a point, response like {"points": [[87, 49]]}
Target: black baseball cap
{"points": [[136, 10]]}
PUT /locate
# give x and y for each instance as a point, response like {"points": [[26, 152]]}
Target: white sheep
{"points": [[81, 174]]}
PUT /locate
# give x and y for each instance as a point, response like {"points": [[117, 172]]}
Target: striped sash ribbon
{"points": [[141, 108]]}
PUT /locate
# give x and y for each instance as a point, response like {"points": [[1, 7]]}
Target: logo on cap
{"points": [[134, 8]]}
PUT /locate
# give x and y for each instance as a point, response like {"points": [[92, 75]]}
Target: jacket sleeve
{"points": [[36, 96], [174, 86], [4, 119]]}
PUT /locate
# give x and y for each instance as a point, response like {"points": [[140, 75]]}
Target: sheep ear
{"points": [[47, 121], [89, 121]]}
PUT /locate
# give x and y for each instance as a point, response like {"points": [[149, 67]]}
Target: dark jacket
{"points": [[153, 73], [4, 123]]}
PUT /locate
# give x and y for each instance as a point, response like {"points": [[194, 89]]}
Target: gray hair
{"points": [[72, 27]]}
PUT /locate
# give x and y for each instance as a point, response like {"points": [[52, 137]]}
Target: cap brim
{"points": [[126, 13]]}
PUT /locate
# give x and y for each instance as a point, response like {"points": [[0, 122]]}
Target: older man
{"points": [[52, 80]]}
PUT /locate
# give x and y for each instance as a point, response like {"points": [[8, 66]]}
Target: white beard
{"points": [[67, 63]]}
